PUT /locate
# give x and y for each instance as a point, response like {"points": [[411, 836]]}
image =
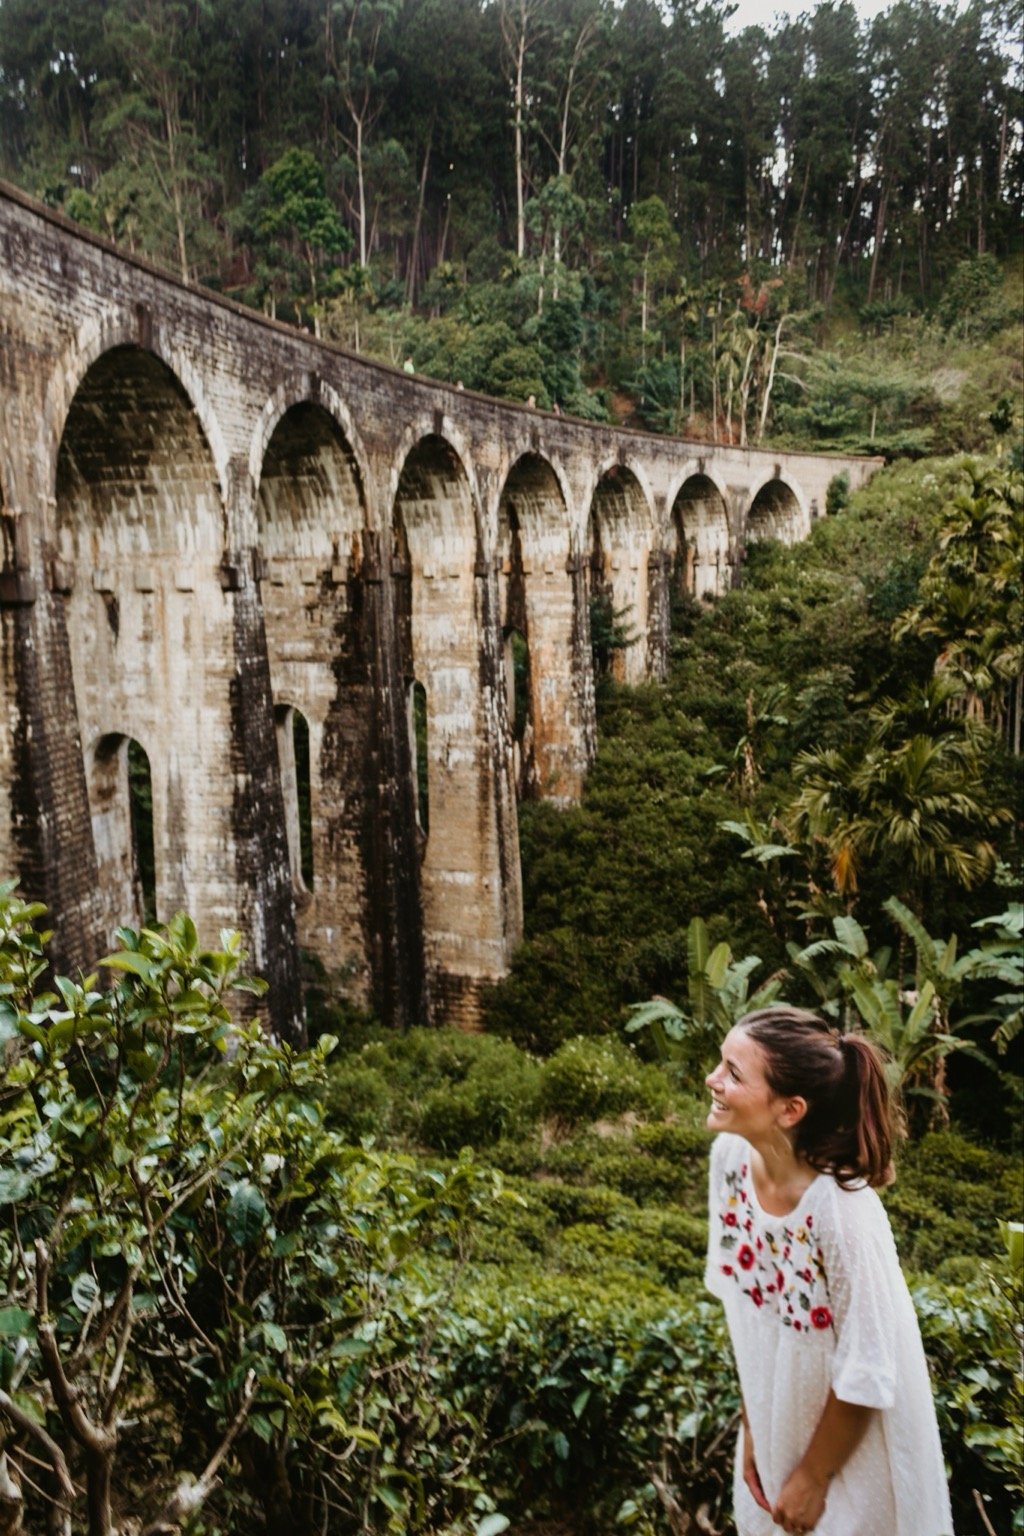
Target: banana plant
{"points": [[908, 1016], [718, 993]]}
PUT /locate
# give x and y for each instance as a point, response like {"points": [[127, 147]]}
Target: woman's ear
{"points": [[793, 1111]]}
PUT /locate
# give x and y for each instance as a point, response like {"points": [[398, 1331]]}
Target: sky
{"points": [[762, 12]]}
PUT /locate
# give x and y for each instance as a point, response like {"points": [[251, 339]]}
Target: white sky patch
{"points": [[768, 13]]}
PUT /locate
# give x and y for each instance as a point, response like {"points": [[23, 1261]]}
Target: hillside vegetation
{"points": [[795, 233]]}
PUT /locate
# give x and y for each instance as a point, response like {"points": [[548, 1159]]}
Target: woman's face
{"points": [[741, 1100]]}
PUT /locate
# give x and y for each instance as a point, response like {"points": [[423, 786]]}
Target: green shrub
{"points": [[591, 1383], [589, 1079], [586, 1383], [498, 1098], [357, 1100], [948, 1199], [571, 1204], [667, 1248], [973, 1337]]}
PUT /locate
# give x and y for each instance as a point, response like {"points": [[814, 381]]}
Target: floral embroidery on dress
{"points": [[783, 1263]]}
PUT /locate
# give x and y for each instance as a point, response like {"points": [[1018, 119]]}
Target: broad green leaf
{"points": [[717, 966], [84, 1291], [130, 960], [14, 1186], [1013, 1237], [275, 1337], [246, 1215], [493, 1525], [851, 935], [15, 1321]]}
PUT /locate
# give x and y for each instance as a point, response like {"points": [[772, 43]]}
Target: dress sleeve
{"points": [[864, 1284]]}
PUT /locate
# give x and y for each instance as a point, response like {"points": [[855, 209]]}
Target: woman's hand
{"points": [[751, 1476], [801, 1503]]}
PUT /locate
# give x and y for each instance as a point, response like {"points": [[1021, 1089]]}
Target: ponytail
{"points": [[867, 1088], [848, 1129]]}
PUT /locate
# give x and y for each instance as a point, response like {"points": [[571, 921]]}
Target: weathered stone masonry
{"points": [[214, 525]]}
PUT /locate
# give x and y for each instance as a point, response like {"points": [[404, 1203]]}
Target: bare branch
{"points": [[90, 1436], [54, 1455]]}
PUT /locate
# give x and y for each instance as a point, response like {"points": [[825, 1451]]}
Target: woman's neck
{"points": [[781, 1176]]}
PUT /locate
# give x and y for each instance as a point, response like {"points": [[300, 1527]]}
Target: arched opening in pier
{"points": [[419, 750], [620, 535], [120, 786], [700, 524], [775, 514], [140, 535], [292, 729]]}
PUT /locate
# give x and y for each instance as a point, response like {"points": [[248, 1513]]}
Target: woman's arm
{"points": [[751, 1476], [839, 1431]]}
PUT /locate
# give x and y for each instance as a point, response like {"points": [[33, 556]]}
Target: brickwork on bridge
{"points": [[231, 544]]}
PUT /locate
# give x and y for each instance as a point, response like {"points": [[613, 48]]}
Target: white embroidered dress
{"points": [[816, 1300]]}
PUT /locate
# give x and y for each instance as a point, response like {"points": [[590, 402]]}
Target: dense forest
{"points": [[620, 208]]}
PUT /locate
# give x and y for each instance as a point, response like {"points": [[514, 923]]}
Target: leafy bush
{"points": [[948, 1198], [357, 1101], [498, 1097], [209, 1299], [973, 1337], [586, 1080]]}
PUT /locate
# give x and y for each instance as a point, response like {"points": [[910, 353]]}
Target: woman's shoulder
{"points": [[853, 1208]]}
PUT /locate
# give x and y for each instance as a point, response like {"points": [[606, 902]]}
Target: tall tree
{"points": [[146, 123], [354, 43]]}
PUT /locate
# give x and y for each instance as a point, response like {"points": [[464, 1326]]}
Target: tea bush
{"points": [[358, 1101], [948, 1198], [498, 1098], [590, 1079], [973, 1336]]}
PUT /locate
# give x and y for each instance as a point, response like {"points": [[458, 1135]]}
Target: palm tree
{"points": [[972, 597], [914, 790]]}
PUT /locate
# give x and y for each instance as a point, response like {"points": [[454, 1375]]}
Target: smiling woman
{"points": [[838, 1434]]}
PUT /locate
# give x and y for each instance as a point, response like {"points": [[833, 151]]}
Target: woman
{"points": [[838, 1428]]}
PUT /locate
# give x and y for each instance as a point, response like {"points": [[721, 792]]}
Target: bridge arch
{"points": [[699, 537], [620, 539], [778, 510], [117, 332], [308, 389], [447, 634], [311, 528], [417, 443], [538, 604], [140, 538]]}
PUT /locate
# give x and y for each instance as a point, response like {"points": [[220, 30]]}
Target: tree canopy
{"points": [[643, 163]]}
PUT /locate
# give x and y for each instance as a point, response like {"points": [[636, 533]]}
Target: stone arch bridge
{"points": [[217, 530]]}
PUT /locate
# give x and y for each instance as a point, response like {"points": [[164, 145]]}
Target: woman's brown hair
{"points": [[849, 1127]]}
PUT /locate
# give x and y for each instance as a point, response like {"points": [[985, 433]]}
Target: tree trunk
{"points": [[770, 381], [520, 69], [360, 191], [883, 202], [414, 257]]}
